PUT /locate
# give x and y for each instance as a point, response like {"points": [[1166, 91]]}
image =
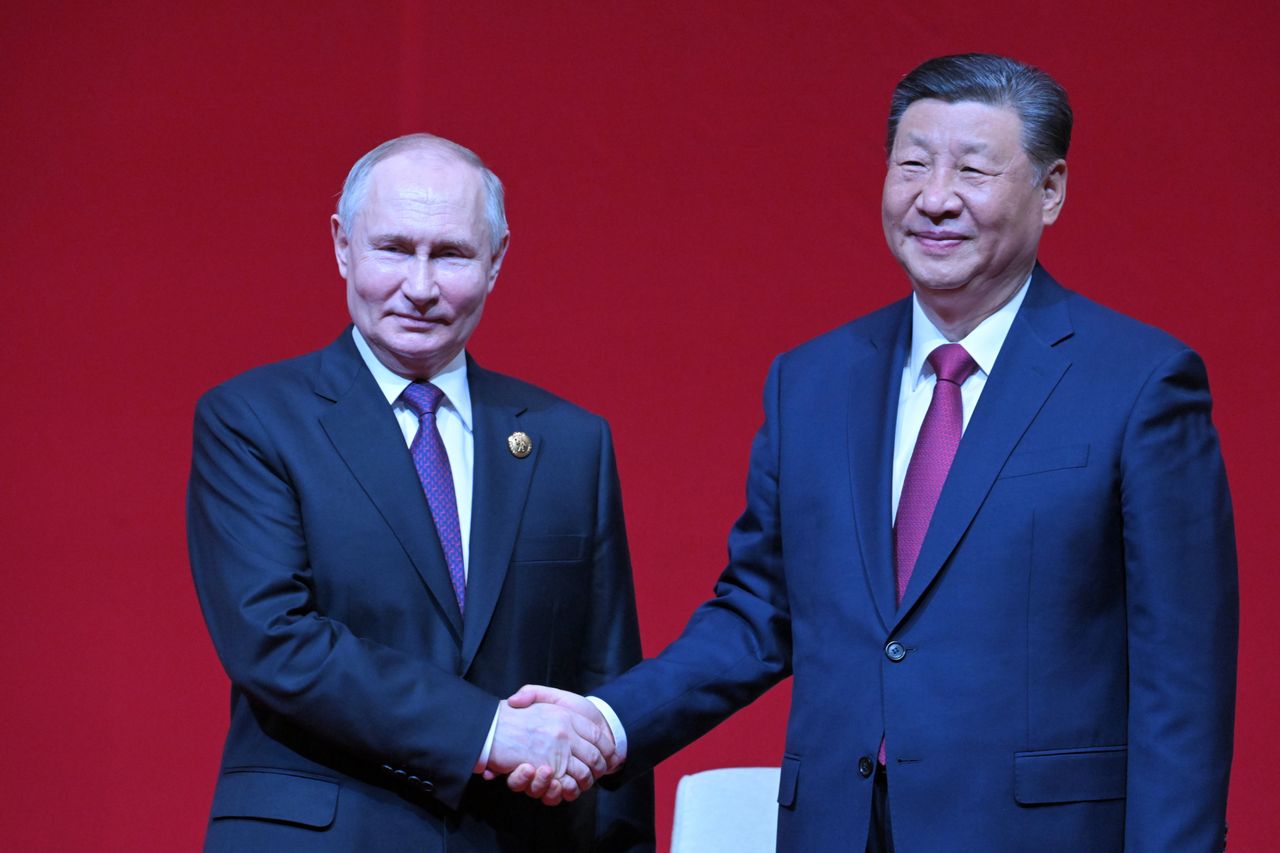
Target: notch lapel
{"points": [[873, 406], [1026, 372], [365, 434], [501, 485]]}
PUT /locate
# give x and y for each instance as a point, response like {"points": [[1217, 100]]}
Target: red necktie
{"points": [[432, 462], [930, 461]]}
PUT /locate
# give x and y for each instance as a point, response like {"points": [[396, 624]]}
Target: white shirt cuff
{"points": [[615, 726], [488, 745]]}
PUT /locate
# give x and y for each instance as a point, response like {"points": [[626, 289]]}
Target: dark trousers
{"points": [[880, 834]]}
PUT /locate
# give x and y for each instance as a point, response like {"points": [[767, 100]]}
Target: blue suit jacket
{"points": [[1069, 630], [360, 695]]}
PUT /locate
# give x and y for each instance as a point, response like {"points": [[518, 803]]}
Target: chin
{"points": [[933, 282], [933, 285], [407, 342], [414, 355]]}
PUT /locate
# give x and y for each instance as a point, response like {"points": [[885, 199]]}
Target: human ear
{"points": [[341, 244], [1054, 187], [495, 263]]}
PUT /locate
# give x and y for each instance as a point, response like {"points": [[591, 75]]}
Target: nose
{"points": [[420, 285], [938, 198]]}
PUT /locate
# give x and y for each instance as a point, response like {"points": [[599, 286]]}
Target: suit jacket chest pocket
{"points": [[1027, 462], [563, 549]]}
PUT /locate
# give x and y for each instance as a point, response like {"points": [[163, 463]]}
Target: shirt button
{"points": [[895, 651]]}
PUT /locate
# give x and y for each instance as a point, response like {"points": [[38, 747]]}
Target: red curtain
{"points": [[693, 187]]}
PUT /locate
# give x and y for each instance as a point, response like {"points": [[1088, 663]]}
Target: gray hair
{"points": [[998, 81], [357, 184]]}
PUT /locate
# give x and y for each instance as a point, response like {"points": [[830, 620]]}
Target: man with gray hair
{"points": [[987, 531], [379, 533]]}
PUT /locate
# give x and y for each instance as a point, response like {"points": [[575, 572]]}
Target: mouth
{"points": [[419, 321], [937, 241]]}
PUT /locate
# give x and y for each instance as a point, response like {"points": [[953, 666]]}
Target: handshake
{"points": [[551, 744]]}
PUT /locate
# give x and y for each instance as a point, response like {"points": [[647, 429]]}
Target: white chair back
{"points": [[733, 809]]}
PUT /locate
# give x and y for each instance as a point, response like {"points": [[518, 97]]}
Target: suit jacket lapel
{"points": [[501, 484], [1026, 372], [365, 433], [873, 403]]}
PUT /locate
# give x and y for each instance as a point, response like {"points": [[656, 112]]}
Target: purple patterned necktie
{"points": [[432, 462], [931, 459]]}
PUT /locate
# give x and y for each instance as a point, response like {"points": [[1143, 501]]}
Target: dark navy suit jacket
{"points": [[361, 697], [1066, 676]]}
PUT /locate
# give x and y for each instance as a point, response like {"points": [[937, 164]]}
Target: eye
{"points": [[971, 170], [452, 251]]}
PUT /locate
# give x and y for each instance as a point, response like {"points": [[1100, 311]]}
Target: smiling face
{"points": [[419, 260], [963, 207]]}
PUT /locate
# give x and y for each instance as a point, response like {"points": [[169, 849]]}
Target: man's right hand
{"points": [[553, 750], [538, 781]]}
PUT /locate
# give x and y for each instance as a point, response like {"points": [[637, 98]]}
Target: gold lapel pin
{"points": [[519, 444]]}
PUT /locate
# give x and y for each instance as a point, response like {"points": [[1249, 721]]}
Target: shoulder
{"points": [[490, 388], [1106, 326], [878, 328], [288, 384], [271, 378], [870, 333], [1110, 356], [1119, 347]]}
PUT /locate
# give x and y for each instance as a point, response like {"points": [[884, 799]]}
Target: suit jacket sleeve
{"points": [[249, 559], [1180, 566], [736, 645]]}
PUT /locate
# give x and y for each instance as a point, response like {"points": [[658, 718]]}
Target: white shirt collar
{"points": [[983, 343], [452, 380]]}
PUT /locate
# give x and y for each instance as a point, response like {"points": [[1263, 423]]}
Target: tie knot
{"points": [[422, 397], [952, 363]]}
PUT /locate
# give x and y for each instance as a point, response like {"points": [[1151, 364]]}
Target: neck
{"points": [[958, 312]]}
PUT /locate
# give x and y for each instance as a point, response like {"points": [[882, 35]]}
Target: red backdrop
{"points": [[693, 187]]}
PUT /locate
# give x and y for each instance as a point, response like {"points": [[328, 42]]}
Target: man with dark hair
{"points": [[987, 531], [996, 81], [377, 531]]}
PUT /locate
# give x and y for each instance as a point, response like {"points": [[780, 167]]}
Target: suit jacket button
{"points": [[388, 769], [427, 786], [401, 775], [413, 780], [865, 766], [895, 651]]}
